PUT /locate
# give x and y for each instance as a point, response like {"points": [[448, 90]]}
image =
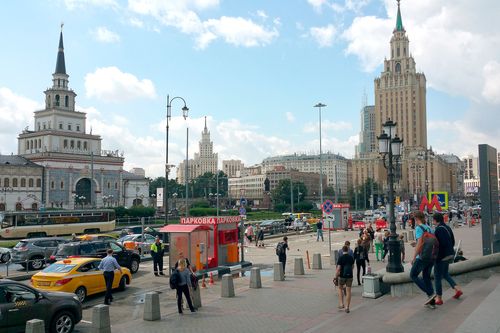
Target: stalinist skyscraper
{"points": [[400, 92]]}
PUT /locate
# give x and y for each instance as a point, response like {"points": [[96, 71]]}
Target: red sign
{"points": [[210, 220], [341, 205], [430, 205]]}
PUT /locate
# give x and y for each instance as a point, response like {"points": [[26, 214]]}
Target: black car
{"points": [[20, 303], [98, 248]]}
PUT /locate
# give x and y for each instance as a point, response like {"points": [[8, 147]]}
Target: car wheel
{"points": [[123, 283], [134, 266], [5, 257], [36, 263], [81, 293], [63, 322]]}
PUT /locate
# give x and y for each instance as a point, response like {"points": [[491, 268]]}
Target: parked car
{"points": [[35, 252], [300, 225], [97, 249], [4, 254], [138, 230], [20, 303], [97, 236], [78, 275], [273, 226], [137, 243]]}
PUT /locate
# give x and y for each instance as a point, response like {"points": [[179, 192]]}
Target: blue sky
{"points": [[253, 68]]}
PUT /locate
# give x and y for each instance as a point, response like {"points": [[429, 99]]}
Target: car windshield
{"points": [[66, 250], [21, 244], [126, 238], [58, 268]]}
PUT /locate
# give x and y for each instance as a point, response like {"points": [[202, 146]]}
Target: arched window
{"points": [[58, 82], [30, 182], [65, 143], [48, 101], [78, 145], [116, 186], [34, 206], [72, 144], [38, 182], [57, 100], [23, 182], [27, 144], [6, 182], [52, 185], [39, 143], [85, 145], [109, 185], [14, 182], [398, 67], [62, 185], [66, 101]]}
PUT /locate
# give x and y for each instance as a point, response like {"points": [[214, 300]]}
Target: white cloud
{"points": [[349, 5], [324, 36], [78, 4], [111, 84], [262, 14], [317, 4], [491, 88], [135, 22], [290, 117], [103, 35], [313, 127]]}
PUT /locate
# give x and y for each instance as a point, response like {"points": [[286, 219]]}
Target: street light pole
{"points": [[390, 149], [185, 110], [319, 106], [187, 173]]}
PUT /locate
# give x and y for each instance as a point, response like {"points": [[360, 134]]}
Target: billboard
{"points": [[442, 198]]}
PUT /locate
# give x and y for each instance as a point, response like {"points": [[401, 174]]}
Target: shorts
{"points": [[345, 281]]}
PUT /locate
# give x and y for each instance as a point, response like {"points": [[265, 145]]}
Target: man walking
{"points": [[446, 239], [281, 252], [419, 265], [344, 274], [157, 252], [319, 227], [108, 265]]}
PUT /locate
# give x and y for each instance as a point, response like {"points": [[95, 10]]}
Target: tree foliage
{"points": [[281, 194]]}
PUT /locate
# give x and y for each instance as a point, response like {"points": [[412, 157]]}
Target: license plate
{"points": [[43, 283]]}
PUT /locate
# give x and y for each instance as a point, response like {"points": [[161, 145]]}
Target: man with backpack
{"points": [[426, 251], [344, 276], [281, 251], [446, 239]]}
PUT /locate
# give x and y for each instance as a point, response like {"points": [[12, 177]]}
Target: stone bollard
{"points": [[227, 286], [411, 235], [196, 297], [279, 275], [317, 264], [255, 280], [334, 257], [405, 236], [152, 307], [298, 268], [100, 319], [35, 326]]}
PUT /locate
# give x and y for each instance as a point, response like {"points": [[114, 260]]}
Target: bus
{"points": [[54, 223]]}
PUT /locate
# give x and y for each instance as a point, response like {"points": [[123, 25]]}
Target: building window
{"points": [[85, 145], [30, 182], [109, 185], [78, 145], [60, 126], [23, 182], [78, 128], [52, 185], [66, 101], [116, 186], [14, 182], [6, 182], [65, 143], [38, 182], [57, 100], [62, 185], [72, 144], [69, 127]]}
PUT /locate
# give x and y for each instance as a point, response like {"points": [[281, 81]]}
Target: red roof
{"points": [[184, 228]]}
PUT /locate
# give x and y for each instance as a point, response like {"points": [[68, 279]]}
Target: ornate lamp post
{"points": [[185, 111], [319, 106], [390, 149]]}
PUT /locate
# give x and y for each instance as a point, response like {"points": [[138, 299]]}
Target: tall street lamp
{"points": [[390, 149], [319, 106], [185, 110]]}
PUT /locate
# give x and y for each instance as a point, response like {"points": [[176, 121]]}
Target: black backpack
{"points": [[280, 249], [347, 271], [174, 279]]}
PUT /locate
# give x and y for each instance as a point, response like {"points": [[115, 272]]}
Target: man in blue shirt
{"points": [[108, 265], [420, 266]]}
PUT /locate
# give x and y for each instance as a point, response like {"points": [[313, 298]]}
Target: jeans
{"points": [[108, 278], [180, 290], [360, 263], [282, 260], [158, 264], [425, 284], [319, 234], [441, 272]]}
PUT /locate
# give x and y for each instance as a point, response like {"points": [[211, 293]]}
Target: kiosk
{"points": [[341, 213]]}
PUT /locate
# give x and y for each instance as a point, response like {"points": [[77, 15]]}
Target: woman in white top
{"points": [[379, 243]]}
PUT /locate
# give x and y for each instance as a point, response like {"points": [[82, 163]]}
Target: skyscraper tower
{"points": [[400, 92]]}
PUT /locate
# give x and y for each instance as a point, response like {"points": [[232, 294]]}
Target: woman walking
{"points": [[379, 242], [361, 258], [183, 285]]}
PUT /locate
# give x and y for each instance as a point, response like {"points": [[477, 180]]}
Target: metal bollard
{"points": [[279, 275], [298, 267], [255, 280], [152, 307], [227, 286], [35, 326], [100, 319], [317, 264]]}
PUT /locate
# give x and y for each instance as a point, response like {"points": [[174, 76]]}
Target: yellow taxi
{"points": [[89, 237], [78, 275]]}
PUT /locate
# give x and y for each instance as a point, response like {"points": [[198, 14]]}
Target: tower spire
{"points": [[60, 64], [205, 123], [399, 20]]}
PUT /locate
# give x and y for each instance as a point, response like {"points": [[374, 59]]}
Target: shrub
{"points": [[202, 212]]}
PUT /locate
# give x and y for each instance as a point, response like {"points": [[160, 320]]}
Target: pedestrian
{"points": [[157, 252], [402, 247], [371, 232], [180, 257], [404, 220], [366, 240], [446, 240], [379, 243], [183, 285], [281, 252], [411, 220], [419, 265], [385, 244], [260, 237], [108, 265], [349, 250], [361, 258], [73, 237], [249, 233], [344, 274], [319, 231]]}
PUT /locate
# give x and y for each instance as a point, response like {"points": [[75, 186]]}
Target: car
{"points": [[97, 249], [272, 226], [20, 303], [97, 236], [34, 252], [80, 276], [137, 243], [4, 254], [300, 225]]}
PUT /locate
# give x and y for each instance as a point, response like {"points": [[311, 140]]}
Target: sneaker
{"points": [[156, 274], [347, 310], [430, 306], [430, 300], [458, 294], [439, 302], [161, 273]]}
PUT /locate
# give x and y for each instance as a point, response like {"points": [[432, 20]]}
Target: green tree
{"points": [[281, 194], [361, 194]]}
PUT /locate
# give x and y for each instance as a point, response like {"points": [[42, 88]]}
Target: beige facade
{"points": [[309, 179], [232, 168]]}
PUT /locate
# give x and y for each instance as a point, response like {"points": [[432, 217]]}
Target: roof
{"points": [[60, 64], [187, 228], [131, 176], [399, 20], [77, 261], [17, 160]]}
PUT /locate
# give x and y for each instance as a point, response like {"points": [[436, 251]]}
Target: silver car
{"points": [[4, 255], [140, 245], [34, 252]]}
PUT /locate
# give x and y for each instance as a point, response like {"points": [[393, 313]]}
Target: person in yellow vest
{"points": [[157, 251]]}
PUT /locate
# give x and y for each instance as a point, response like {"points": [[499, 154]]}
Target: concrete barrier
{"points": [[196, 296], [405, 236], [298, 267], [411, 235], [279, 275], [255, 280], [227, 286], [334, 257], [317, 264], [152, 307], [35, 326], [100, 319]]}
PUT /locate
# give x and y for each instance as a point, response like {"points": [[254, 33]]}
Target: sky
{"points": [[255, 69]]}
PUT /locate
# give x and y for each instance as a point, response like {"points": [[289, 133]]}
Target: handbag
{"points": [[336, 281]]}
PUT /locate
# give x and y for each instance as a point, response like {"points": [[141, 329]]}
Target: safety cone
{"points": [[211, 282], [203, 284]]}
